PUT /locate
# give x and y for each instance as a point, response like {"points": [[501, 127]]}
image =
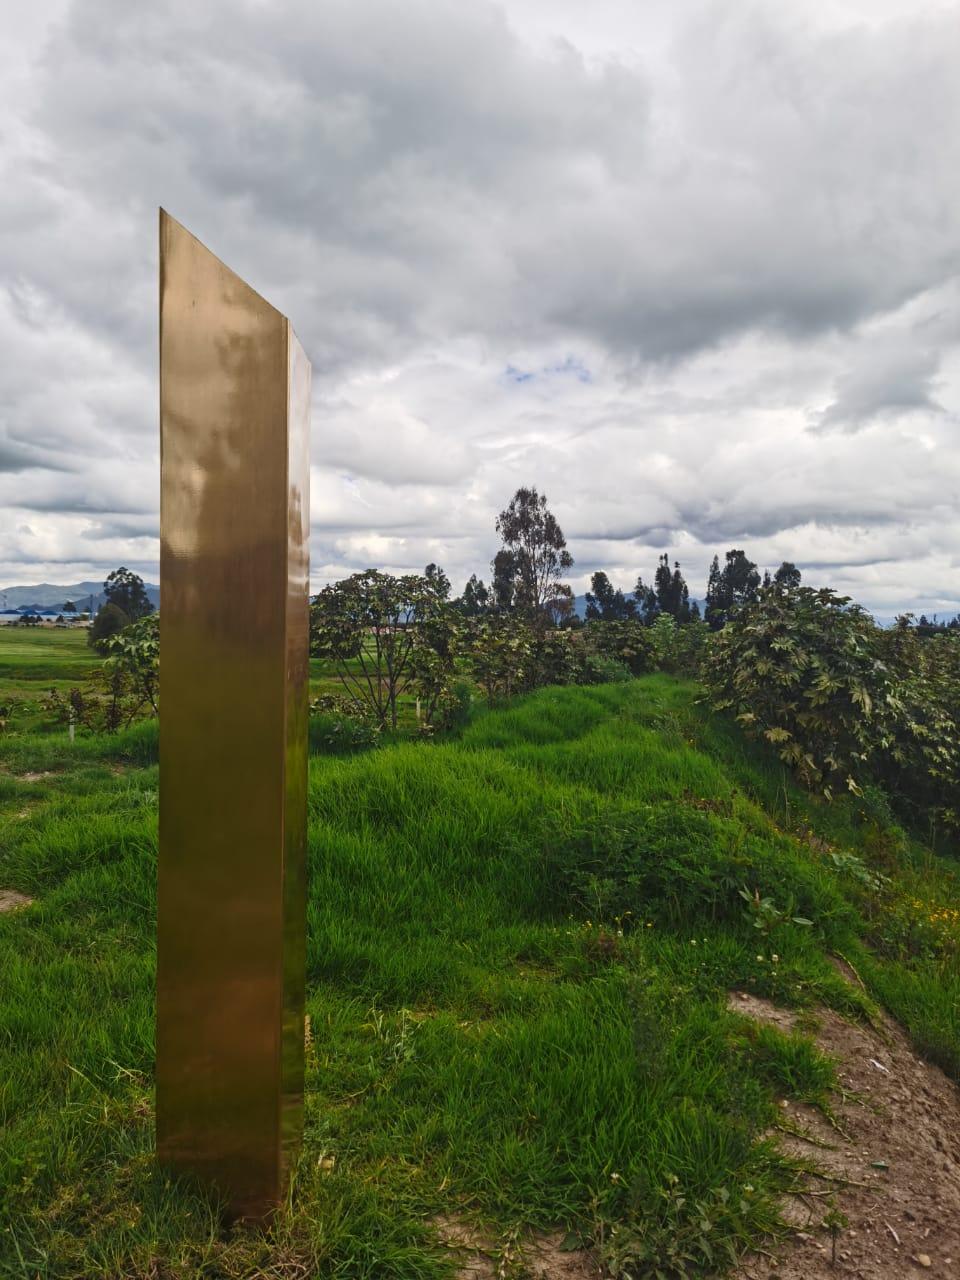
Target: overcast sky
{"points": [[692, 269]]}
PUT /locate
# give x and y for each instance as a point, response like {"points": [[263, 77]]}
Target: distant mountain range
{"points": [[48, 598]]}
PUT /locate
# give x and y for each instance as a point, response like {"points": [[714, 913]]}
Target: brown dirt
{"points": [[10, 900], [534, 1255], [900, 1119]]}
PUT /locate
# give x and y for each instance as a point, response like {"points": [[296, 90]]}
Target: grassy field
{"points": [[520, 948], [36, 660]]}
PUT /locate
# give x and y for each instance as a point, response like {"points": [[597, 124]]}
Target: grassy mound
{"points": [[520, 945]]}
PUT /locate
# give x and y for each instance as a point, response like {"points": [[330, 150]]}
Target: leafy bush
{"points": [[338, 724], [500, 649], [557, 657], [596, 669], [803, 669], [845, 703], [922, 764], [626, 642], [110, 619]]}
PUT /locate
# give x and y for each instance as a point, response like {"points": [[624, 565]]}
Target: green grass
{"points": [[520, 945], [32, 662], [36, 660]]}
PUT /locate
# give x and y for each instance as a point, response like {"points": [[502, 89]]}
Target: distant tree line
{"points": [[845, 703], [526, 579], [389, 636], [392, 636]]}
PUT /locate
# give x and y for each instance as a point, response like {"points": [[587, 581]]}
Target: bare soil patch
{"points": [[482, 1255], [11, 900], [899, 1147]]}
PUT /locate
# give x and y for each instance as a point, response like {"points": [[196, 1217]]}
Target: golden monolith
{"points": [[234, 528]]}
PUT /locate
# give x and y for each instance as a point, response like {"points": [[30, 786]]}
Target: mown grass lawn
{"points": [[520, 945]]}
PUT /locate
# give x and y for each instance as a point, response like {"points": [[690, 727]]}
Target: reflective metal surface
{"points": [[234, 424]]}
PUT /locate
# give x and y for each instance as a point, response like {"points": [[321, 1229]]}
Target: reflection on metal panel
{"points": [[234, 415]]}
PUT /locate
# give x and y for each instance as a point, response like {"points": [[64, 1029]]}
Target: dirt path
{"points": [[900, 1143], [899, 1146]]}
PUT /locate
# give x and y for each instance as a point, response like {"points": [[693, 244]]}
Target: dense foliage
{"points": [[109, 621], [126, 601], [126, 590], [844, 702]]}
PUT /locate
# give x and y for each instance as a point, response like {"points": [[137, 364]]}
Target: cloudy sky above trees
{"points": [[691, 268]]}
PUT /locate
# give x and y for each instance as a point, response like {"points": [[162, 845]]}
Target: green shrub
{"points": [[625, 642], [802, 668], [922, 763], [339, 725], [596, 669], [110, 619], [845, 703]]}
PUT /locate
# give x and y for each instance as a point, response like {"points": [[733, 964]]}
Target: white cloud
{"points": [[690, 268]]}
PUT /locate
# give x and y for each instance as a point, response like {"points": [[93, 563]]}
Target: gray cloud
{"points": [[16, 457], [723, 240], [885, 380]]}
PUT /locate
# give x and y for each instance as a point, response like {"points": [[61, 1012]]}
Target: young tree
{"points": [[475, 599], [110, 619], [125, 589], [371, 625], [727, 589], [533, 538], [134, 657], [438, 580], [673, 595], [788, 575], [605, 603], [504, 580], [646, 605], [69, 607]]}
